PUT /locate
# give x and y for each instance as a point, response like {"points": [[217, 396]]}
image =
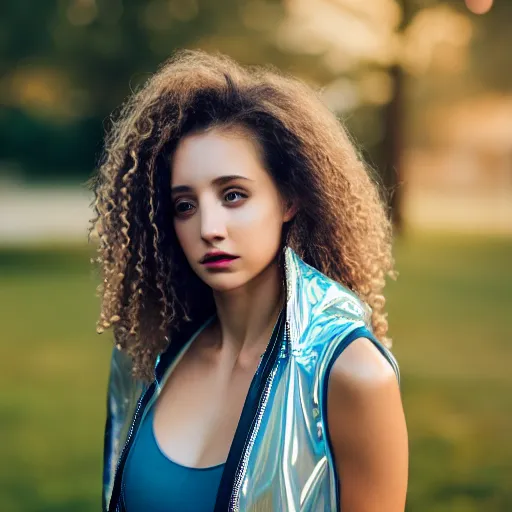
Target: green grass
{"points": [[450, 318], [450, 315], [53, 370]]}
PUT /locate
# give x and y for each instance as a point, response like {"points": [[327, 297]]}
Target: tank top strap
{"points": [[364, 332]]}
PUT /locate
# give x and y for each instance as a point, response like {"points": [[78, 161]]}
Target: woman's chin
{"points": [[223, 282]]}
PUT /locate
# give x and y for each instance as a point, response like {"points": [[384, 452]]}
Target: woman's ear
{"points": [[290, 210]]}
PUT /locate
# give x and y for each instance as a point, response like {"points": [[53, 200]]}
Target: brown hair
{"points": [[149, 291]]}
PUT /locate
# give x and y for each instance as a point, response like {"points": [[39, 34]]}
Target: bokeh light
{"points": [[479, 6]]}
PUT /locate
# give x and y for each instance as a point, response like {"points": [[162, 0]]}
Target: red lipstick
{"points": [[218, 259]]}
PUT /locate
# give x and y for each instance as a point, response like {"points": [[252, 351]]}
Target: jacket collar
{"points": [[310, 292]]}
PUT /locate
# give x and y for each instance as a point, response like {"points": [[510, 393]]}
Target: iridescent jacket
{"points": [[281, 457]]}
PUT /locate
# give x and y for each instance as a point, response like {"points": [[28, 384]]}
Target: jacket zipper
{"points": [[128, 439], [234, 505]]}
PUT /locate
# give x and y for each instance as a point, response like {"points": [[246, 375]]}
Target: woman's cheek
{"points": [[183, 234]]}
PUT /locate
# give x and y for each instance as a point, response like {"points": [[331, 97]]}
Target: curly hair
{"points": [[149, 292]]}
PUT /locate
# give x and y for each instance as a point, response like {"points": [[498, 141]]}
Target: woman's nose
{"points": [[213, 225]]}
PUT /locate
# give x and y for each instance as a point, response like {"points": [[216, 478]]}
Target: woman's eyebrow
{"points": [[221, 180]]}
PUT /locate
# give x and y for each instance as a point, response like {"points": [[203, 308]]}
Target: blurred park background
{"points": [[425, 87]]}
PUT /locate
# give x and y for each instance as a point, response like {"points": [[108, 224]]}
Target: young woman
{"points": [[244, 250]]}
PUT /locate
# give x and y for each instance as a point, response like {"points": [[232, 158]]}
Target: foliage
{"points": [[65, 65]]}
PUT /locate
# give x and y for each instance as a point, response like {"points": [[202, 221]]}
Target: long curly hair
{"points": [[149, 292]]}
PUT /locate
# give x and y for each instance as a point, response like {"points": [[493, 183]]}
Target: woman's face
{"points": [[225, 200]]}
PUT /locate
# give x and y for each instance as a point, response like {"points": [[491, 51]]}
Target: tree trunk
{"points": [[393, 147]]}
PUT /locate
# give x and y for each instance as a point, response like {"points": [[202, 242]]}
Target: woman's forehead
{"points": [[203, 158]]}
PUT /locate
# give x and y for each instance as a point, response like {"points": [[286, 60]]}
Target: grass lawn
{"points": [[450, 315]]}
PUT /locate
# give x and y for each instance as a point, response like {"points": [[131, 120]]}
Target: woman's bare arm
{"points": [[367, 430]]}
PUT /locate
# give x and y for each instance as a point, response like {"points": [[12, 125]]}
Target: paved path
{"points": [[33, 215]]}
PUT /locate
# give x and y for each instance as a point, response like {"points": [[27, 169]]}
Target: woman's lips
{"points": [[223, 262]]}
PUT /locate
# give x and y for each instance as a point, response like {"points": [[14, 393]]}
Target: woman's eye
{"points": [[182, 207], [233, 195]]}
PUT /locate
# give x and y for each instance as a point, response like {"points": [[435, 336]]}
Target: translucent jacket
{"points": [[281, 457]]}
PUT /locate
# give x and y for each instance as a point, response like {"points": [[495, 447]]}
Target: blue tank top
{"points": [[153, 482]]}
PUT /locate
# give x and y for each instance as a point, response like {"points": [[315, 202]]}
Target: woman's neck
{"points": [[246, 316]]}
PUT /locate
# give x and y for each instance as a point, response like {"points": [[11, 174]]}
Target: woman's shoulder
{"points": [[361, 365]]}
